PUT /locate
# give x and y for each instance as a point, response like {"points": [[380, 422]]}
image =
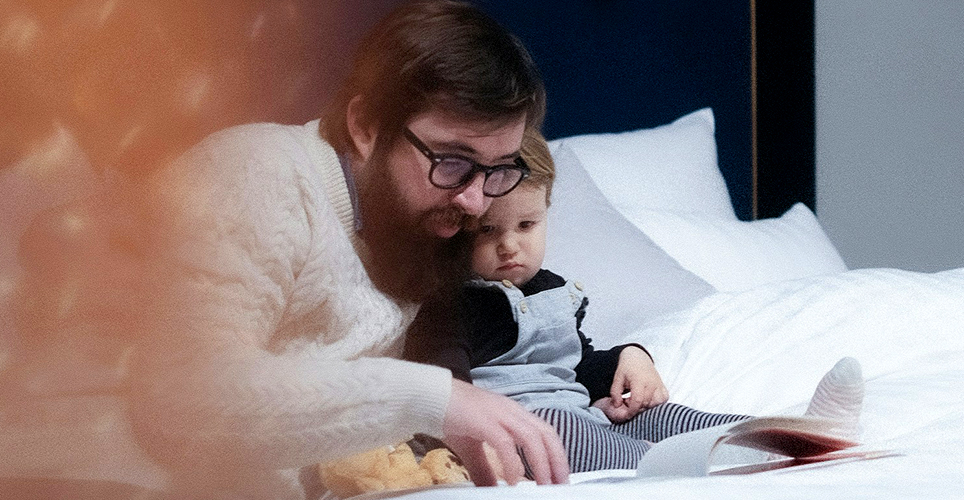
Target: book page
{"points": [[692, 453], [686, 454], [788, 442]]}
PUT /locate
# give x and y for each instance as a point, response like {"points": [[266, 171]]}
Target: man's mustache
{"points": [[451, 216]]}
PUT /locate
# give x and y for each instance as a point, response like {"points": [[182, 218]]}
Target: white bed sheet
{"points": [[762, 352]]}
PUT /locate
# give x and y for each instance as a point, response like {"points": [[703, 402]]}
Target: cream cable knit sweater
{"points": [[266, 346]]}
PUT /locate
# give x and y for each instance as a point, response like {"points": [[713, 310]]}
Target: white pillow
{"points": [[735, 255], [670, 167], [627, 278]]}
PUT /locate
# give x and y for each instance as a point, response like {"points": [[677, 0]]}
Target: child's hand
{"points": [[615, 415], [636, 374]]}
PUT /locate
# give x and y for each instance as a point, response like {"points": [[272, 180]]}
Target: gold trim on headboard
{"points": [[753, 111]]}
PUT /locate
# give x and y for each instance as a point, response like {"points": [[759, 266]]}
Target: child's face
{"points": [[510, 241]]}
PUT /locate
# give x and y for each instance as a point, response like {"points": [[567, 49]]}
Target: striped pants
{"points": [[591, 446]]}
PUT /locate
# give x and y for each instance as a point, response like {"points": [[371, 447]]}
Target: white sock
{"points": [[840, 395]]}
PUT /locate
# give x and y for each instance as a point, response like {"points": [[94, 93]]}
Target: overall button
{"points": [[523, 307], [578, 285], [507, 283]]}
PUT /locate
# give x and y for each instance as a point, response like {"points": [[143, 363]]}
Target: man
{"points": [[283, 264]]}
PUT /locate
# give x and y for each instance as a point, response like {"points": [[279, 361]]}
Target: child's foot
{"points": [[840, 395]]}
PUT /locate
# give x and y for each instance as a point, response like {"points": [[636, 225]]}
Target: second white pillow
{"points": [[670, 167], [628, 278], [735, 255]]}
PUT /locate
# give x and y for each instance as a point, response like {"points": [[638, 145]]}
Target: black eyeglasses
{"points": [[450, 171]]}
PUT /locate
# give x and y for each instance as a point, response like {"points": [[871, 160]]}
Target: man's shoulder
{"points": [[257, 140], [253, 156], [250, 173]]}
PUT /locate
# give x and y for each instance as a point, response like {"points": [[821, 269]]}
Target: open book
{"points": [[755, 445]]}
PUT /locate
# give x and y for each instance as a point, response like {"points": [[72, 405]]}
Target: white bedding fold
{"points": [[764, 350]]}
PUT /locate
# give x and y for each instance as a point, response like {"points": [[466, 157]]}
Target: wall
{"points": [[890, 131]]}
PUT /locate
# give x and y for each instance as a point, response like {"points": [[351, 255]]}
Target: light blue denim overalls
{"points": [[538, 371]]}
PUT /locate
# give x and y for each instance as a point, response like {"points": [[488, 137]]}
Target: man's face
{"points": [[411, 226], [442, 212]]}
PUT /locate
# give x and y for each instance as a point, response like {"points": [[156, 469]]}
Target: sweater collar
{"points": [[352, 191]]}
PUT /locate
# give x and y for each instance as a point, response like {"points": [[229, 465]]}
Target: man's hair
{"points": [[437, 54], [535, 152]]}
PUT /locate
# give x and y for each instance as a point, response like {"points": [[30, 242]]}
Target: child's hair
{"points": [[535, 152]]}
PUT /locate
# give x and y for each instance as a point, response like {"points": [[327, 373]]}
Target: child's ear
{"points": [[363, 133]]}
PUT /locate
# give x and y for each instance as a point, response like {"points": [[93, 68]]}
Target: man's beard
{"points": [[406, 260]]}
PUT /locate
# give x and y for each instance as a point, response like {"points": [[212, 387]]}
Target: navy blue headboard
{"points": [[619, 65]]}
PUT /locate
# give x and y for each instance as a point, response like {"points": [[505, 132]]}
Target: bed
{"points": [[685, 204]]}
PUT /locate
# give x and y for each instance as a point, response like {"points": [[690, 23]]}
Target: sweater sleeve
{"points": [[212, 382], [597, 369]]}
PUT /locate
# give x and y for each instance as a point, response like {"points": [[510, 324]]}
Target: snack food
{"points": [[391, 468], [444, 467]]}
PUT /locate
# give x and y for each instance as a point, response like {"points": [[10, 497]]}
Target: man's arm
{"points": [[211, 383]]}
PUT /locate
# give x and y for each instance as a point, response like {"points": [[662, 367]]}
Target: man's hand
{"points": [[637, 374], [476, 416]]}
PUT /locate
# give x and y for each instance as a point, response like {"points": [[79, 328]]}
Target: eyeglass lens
{"points": [[455, 172], [501, 181]]}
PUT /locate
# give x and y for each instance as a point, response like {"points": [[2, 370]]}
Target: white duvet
{"points": [[763, 351]]}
